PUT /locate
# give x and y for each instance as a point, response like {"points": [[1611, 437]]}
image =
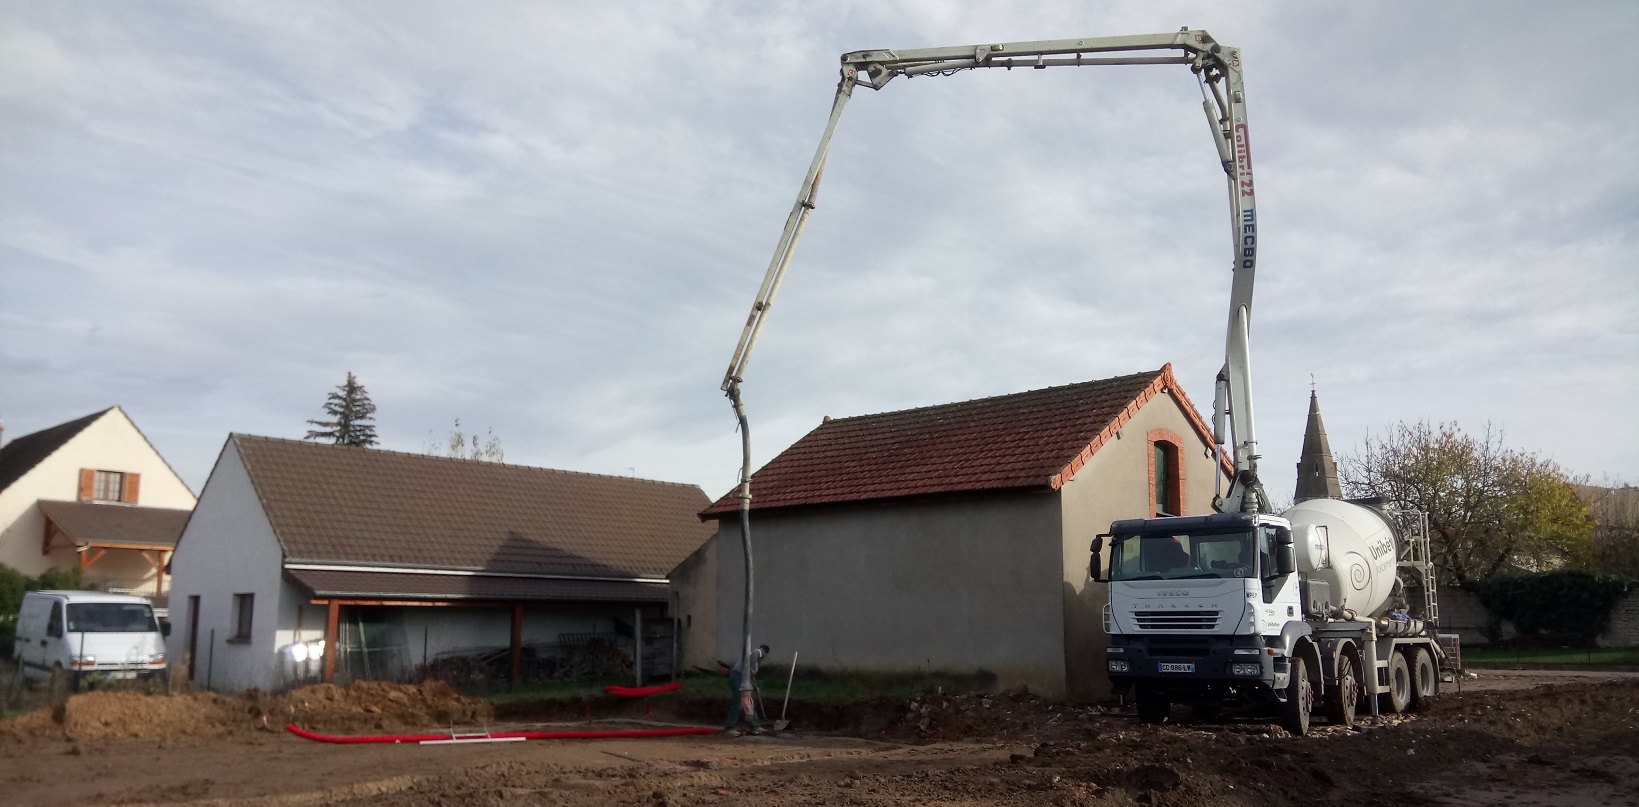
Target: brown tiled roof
{"points": [[116, 524], [397, 586], [19, 456], [340, 504], [1035, 439]]}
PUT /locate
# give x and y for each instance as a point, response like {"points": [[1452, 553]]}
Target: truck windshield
{"points": [[1179, 556], [111, 617]]}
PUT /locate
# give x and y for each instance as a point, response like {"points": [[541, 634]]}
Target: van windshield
{"points": [[111, 617]]}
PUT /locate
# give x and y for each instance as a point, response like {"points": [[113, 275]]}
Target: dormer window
{"points": [[108, 486]]}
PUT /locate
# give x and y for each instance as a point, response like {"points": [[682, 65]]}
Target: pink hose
{"points": [[642, 692], [526, 735]]}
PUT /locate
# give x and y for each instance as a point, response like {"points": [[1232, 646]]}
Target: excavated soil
{"points": [[1517, 741], [360, 707]]}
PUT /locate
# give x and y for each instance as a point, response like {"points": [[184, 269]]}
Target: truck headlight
{"points": [[156, 660], [85, 661], [1246, 669], [1248, 651], [1118, 665]]}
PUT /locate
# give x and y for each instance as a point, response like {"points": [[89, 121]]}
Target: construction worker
{"points": [[740, 687]]}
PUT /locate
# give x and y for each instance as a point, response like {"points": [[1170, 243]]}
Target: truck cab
{"points": [[1202, 610], [79, 634]]}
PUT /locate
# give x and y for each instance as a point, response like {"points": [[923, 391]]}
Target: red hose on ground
{"points": [[642, 692], [499, 735]]}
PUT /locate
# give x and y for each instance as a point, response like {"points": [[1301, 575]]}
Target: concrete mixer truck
{"points": [[1331, 602]]}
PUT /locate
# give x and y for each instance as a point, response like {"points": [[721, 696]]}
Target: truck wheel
{"points": [[1342, 699], [1153, 706], [1300, 698], [1399, 695], [1426, 678]]}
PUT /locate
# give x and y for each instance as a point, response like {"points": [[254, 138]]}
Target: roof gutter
{"points": [[299, 566]]}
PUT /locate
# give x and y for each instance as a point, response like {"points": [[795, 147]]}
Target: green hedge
{"points": [[1575, 605]]}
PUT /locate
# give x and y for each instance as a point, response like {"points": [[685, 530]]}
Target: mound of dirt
{"points": [[129, 715], [374, 706], [363, 706]]}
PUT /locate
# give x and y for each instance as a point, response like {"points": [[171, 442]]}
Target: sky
{"points": [[549, 220]]}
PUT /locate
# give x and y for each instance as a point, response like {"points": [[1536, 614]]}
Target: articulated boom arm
{"points": [[1218, 69]]}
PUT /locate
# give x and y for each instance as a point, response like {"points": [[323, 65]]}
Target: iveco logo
{"points": [[1174, 592]]}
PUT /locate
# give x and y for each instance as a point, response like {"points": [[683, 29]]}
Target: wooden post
{"points": [[332, 629], [517, 642]]}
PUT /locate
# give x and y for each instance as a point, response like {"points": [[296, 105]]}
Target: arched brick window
{"points": [[1166, 473]]}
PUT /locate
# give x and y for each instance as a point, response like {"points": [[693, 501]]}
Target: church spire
{"points": [[1317, 472]]}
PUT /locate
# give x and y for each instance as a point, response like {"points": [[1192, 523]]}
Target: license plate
{"points": [[1187, 668], [122, 674]]}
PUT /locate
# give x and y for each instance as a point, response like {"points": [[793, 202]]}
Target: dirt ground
{"points": [[1507, 739]]}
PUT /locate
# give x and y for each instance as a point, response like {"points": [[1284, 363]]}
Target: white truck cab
{"points": [[88, 633]]}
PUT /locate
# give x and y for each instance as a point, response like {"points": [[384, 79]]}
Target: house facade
{"points": [[92, 494], [306, 562], [955, 538]]}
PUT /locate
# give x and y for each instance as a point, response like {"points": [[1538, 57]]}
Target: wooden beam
{"points": [[517, 642], [332, 631], [86, 558]]}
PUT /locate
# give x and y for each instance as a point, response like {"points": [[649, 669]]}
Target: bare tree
{"points": [[1615, 512], [1491, 509], [467, 446]]}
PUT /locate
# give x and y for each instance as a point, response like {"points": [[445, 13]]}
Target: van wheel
{"points": [[1399, 695], [1425, 678]]}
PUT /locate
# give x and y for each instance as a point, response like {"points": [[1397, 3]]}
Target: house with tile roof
{"points": [[951, 538], [92, 494], [306, 561]]}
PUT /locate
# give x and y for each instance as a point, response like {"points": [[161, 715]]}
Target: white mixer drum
{"points": [[1363, 551]]}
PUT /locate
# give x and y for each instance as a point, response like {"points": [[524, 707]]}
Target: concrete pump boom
{"points": [[1218, 70]]}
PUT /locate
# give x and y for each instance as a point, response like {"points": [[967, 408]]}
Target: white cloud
{"points": [[550, 219]]}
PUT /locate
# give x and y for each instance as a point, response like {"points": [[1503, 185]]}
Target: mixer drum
{"points": [[1363, 549]]}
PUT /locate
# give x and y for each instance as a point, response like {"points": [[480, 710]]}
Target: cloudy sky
{"points": [[549, 220]]}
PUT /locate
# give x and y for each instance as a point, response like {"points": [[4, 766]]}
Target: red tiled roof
{"points": [[359, 506], [1035, 439]]}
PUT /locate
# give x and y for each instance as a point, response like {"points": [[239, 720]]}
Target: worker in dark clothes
{"points": [[740, 687]]}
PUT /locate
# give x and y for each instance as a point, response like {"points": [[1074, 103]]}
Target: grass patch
{"points": [[807, 686], [1555, 655]]}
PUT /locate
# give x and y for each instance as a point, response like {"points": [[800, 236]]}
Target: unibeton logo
{"points": [[1243, 158]]}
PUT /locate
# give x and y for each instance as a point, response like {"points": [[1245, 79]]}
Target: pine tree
{"points": [[352, 417]]}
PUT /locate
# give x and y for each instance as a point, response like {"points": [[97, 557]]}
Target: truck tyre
{"points": [[1153, 706], [1342, 699], [1300, 698], [1398, 697], [1425, 678]]}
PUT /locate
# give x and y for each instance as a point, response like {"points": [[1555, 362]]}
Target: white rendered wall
{"points": [[110, 443], [1113, 485], [229, 548], [953, 584]]}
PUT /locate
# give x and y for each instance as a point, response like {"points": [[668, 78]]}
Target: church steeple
{"points": [[1317, 472]]}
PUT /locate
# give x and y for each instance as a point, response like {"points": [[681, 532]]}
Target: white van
{"points": [[85, 633]]}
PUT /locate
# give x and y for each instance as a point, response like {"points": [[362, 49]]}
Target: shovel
{"points": [[779, 725]]}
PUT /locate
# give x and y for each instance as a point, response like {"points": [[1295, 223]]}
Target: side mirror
{"points": [[1286, 559], [1095, 569], [165, 629]]}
